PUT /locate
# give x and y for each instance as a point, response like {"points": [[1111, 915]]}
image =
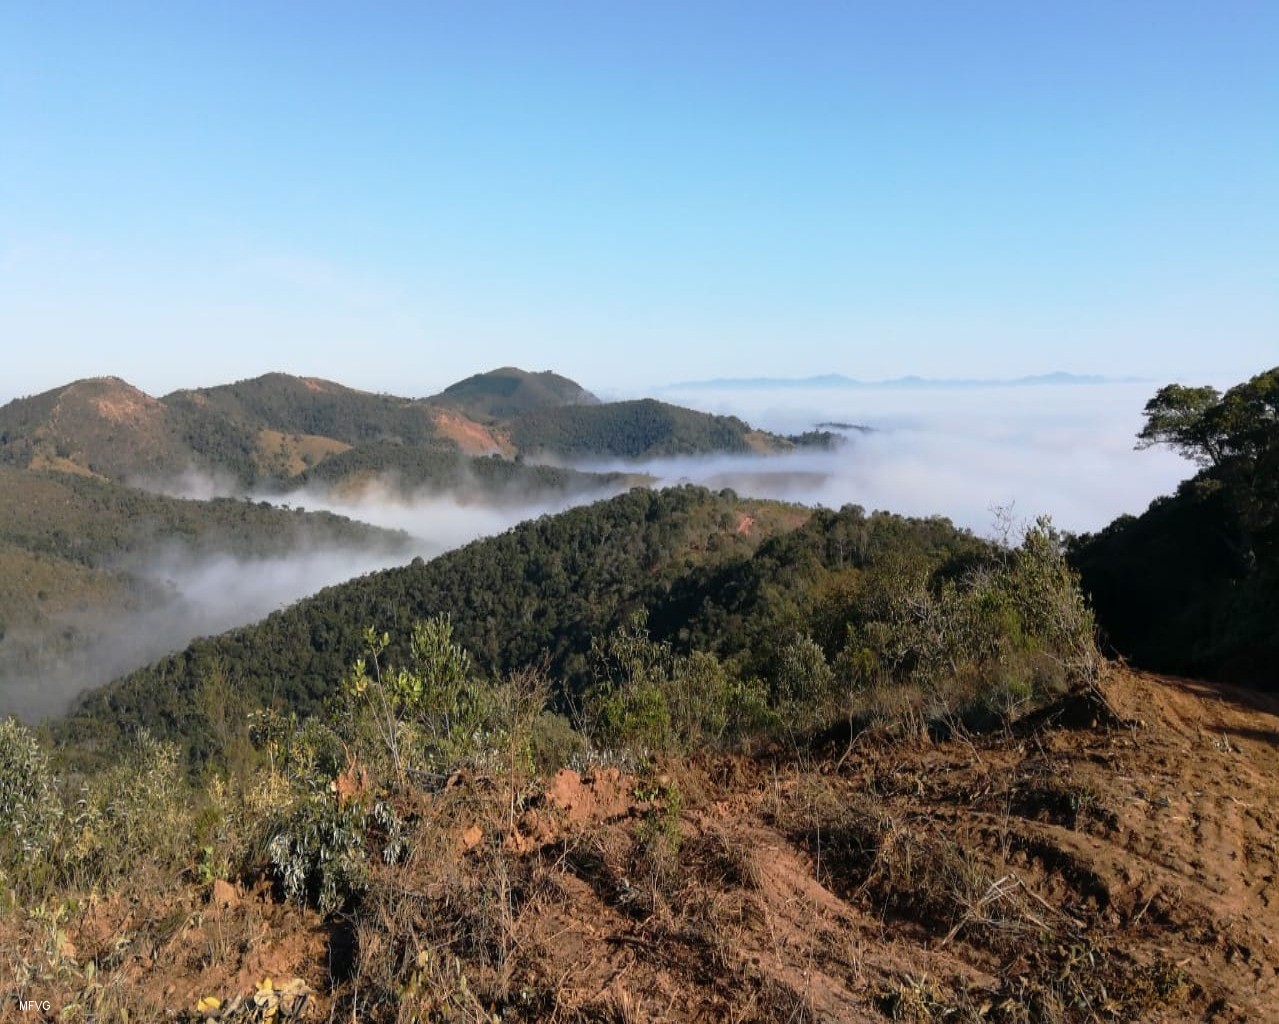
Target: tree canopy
{"points": [[1191, 585], [1215, 429]]}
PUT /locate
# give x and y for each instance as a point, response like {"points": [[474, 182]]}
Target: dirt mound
{"points": [[1108, 867], [604, 795]]}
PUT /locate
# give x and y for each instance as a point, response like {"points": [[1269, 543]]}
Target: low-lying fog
{"points": [[184, 596], [1062, 449]]}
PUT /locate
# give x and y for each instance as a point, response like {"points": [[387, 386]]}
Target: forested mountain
{"points": [[275, 430], [638, 429], [96, 522], [309, 406], [508, 392], [490, 479], [543, 588], [1192, 584], [742, 581]]}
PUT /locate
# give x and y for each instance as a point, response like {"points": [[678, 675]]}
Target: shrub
{"points": [[138, 811], [31, 810], [433, 716], [649, 699], [1007, 633], [554, 743], [806, 691], [317, 853]]}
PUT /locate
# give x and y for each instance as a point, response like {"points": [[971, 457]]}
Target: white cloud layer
{"points": [[1063, 450]]}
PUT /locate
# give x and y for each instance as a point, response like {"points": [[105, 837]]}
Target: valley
{"points": [[123, 514]]}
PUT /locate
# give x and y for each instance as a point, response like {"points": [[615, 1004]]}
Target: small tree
{"points": [[31, 810], [1178, 416], [1214, 429], [1235, 437]]}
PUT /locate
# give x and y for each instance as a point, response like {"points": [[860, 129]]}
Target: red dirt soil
{"points": [[471, 438], [1120, 859]]}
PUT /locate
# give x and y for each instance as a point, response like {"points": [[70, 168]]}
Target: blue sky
{"points": [[398, 195]]}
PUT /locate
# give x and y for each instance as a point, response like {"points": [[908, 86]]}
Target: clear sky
{"points": [[398, 195]]}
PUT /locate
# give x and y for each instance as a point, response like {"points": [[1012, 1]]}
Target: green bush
{"points": [[649, 699], [554, 743], [985, 644], [318, 851], [433, 715], [31, 810], [139, 811]]}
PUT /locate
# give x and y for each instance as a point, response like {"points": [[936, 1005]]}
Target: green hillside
{"points": [[68, 545], [742, 581], [95, 522], [639, 429], [442, 470], [307, 405], [543, 588], [509, 392]]}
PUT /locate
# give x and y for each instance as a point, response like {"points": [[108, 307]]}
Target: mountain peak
{"points": [[510, 391]]}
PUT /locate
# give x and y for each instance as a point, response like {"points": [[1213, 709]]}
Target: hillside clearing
{"points": [[1117, 861]]}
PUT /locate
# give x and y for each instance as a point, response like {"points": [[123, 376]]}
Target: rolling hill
{"points": [[639, 429], [276, 430], [102, 427], [74, 457], [509, 392], [709, 571], [491, 480]]}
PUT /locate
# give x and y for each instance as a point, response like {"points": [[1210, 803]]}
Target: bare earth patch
{"points": [[471, 437], [1116, 862], [127, 406]]}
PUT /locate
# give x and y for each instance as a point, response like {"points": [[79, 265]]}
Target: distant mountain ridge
{"points": [[275, 431], [837, 380], [81, 465]]}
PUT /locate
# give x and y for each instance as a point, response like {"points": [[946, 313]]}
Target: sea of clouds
{"points": [[1065, 450]]}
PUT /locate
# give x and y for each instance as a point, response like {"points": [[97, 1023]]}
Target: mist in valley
{"points": [[1065, 450], [175, 595]]}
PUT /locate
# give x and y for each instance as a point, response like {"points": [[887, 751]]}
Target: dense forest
{"points": [[1192, 584], [814, 605], [628, 430]]}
